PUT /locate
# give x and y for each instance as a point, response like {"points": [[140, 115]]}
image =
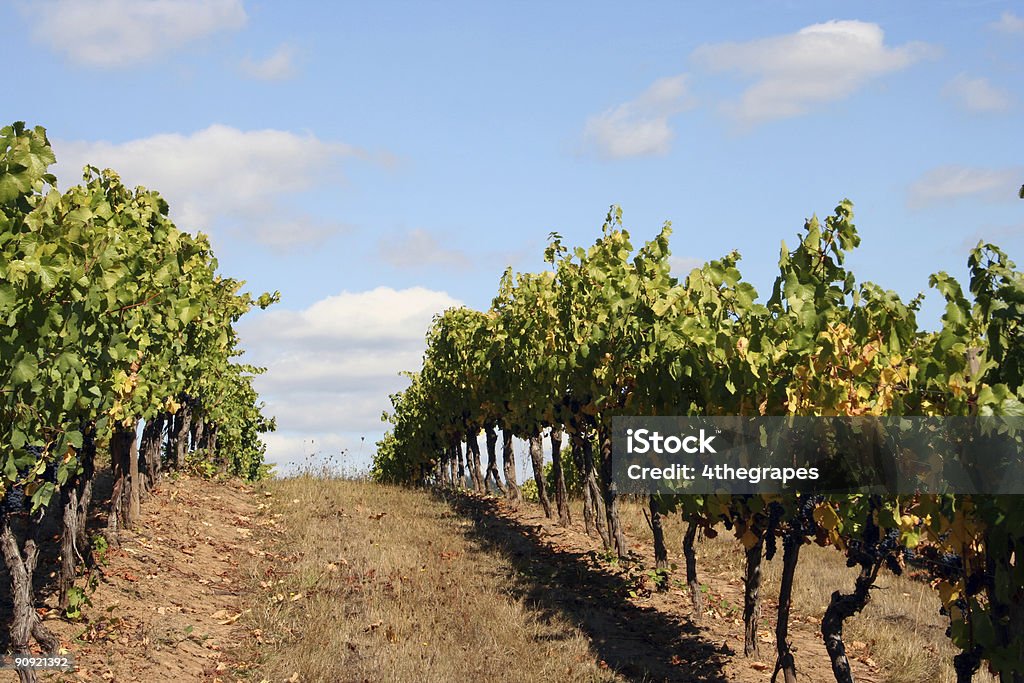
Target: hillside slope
{"points": [[328, 580]]}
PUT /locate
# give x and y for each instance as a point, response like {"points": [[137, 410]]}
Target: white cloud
{"points": [[682, 265], [817, 64], [378, 318], [641, 126], [317, 412], [332, 365], [279, 66], [977, 94], [418, 248], [117, 33], [1009, 23], [225, 178], [952, 182], [339, 453], [283, 228]]}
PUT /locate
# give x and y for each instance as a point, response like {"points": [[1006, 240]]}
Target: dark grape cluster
{"points": [[800, 526], [50, 473], [804, 520], [939, 564], [14, 501], [874, 548], [950, 567]]}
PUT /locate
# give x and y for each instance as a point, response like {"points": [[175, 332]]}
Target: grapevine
{"points": [[608, 330]]}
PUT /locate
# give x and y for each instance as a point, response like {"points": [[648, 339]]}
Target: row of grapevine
{"points": [[608, 331], [113, 319]]}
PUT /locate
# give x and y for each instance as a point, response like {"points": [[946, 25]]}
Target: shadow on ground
{"points": [[641, 644]]}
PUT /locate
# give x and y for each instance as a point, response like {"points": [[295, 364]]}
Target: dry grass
{"points": [[413, 595], [380, 584], [900, 629]]}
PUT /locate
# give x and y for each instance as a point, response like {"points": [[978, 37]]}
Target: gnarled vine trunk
{"points": [[690, 555], [588, 494], [442, 468], [785, 663], [182, 428], [75, 495], [211, 440], [660, 551], [537, 460], [460, 459], [209, 446], [561, 492], [600, 515], [198, 433], [615, 533], [752, 598], [124, 497], [508, 459], [21, 565], [492, 478], [840, 608], [149, 451], [134, 483], [473, 448]]}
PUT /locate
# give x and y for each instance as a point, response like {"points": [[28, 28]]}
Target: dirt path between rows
{"points": [[171, 601], [168, 600]]}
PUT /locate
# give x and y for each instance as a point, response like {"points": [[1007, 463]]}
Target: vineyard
{"points": [[607, 331], [118, 338], [120, 360]]}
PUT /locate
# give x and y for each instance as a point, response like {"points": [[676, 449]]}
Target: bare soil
{"points": [[168, 601]]}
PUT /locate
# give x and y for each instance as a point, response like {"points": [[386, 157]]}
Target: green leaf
{"points": [[10, 468], [7, 295], [41, 497], [25, 370]]}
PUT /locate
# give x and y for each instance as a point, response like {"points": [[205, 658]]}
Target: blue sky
{"points": [[377, 162]]}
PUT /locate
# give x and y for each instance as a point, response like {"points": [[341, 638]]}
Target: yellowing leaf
{"points": [[749, 539], [908, 522], [948, 593], [826, 517]]}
